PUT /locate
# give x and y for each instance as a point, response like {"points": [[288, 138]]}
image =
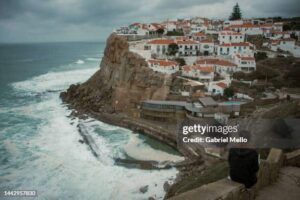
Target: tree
{"points": [[228, 92], [181, 61], [260, 55], [160, 31], [172, 49], [236, 13]]}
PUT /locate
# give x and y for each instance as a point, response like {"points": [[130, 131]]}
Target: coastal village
{"points": [[209, 56], [154, 77]]}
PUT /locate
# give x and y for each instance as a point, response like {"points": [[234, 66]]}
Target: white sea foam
{"points": [[62, 167], [54, 80], [144, 152], [79, 62], [93, 59]]}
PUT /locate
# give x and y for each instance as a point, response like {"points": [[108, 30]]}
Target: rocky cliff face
{"points": [[121, 83]]}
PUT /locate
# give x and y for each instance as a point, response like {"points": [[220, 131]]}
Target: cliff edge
{"points": [[121, 83]]}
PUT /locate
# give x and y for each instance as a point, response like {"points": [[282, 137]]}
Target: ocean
{"points": [[39, 142]]}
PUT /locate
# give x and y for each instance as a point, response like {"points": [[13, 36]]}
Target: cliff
{"points": [[121, 83]]}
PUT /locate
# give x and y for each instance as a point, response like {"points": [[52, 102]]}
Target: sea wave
{"points": [[136, 149], [93, 59], [63, 166], [53, 81], [79, 62]]}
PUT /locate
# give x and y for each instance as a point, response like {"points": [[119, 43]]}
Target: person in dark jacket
{"points": [[243, 165]]}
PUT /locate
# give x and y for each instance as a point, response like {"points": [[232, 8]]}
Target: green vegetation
{"points": [[284, 110], [175, 33], [236, 13], [196, 179], [160, 31], [260, 56], [181, 61], [257, 40], [228, 92], [172, 49]]}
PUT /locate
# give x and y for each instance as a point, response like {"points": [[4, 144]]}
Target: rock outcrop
{"points": [[121, 83]]}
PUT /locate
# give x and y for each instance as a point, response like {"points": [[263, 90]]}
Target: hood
{"points": [[241, 151]]}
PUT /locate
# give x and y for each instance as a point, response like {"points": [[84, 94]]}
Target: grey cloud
{"points": [[278, 7], [181, 4], [51, 20]]}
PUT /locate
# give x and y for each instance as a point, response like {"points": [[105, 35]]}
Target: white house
{"points": [[170, 25], [163, 66], [159, 46], [195, 28], [188, 47], [199, 36], [139, 29], [244, 62], [227, 50], [275, 35], [217, 87], [247, 28], [230, 37], [221, 66], [207, 47], [287, 44], [202, 73], [278, 26], [228, 23]]}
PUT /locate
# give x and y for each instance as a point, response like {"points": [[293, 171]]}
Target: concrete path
{"points": [[286, 187]]}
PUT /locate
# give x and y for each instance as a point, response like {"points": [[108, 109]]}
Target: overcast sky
{"points": [[93, 20]]}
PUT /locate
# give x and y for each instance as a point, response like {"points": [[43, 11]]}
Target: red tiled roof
{"points": [[186, 68], [186, 42], [161, 41], [163, 63], [199, 34], [288, 39], [205, 69], [245, 57], [209, 61], [236, 44], [229, 33], [226, 63], [222, 85], [215, 61], [209, 40]]}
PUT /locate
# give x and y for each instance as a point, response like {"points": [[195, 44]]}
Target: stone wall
{"points": [[226, 189]]}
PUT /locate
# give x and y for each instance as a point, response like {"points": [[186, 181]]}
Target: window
{"points": [[244, 63]]}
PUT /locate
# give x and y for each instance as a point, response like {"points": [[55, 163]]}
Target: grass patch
{"points": [[195, 180]]}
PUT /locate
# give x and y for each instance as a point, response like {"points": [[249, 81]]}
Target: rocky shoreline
{"points": [[122, 81]]}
